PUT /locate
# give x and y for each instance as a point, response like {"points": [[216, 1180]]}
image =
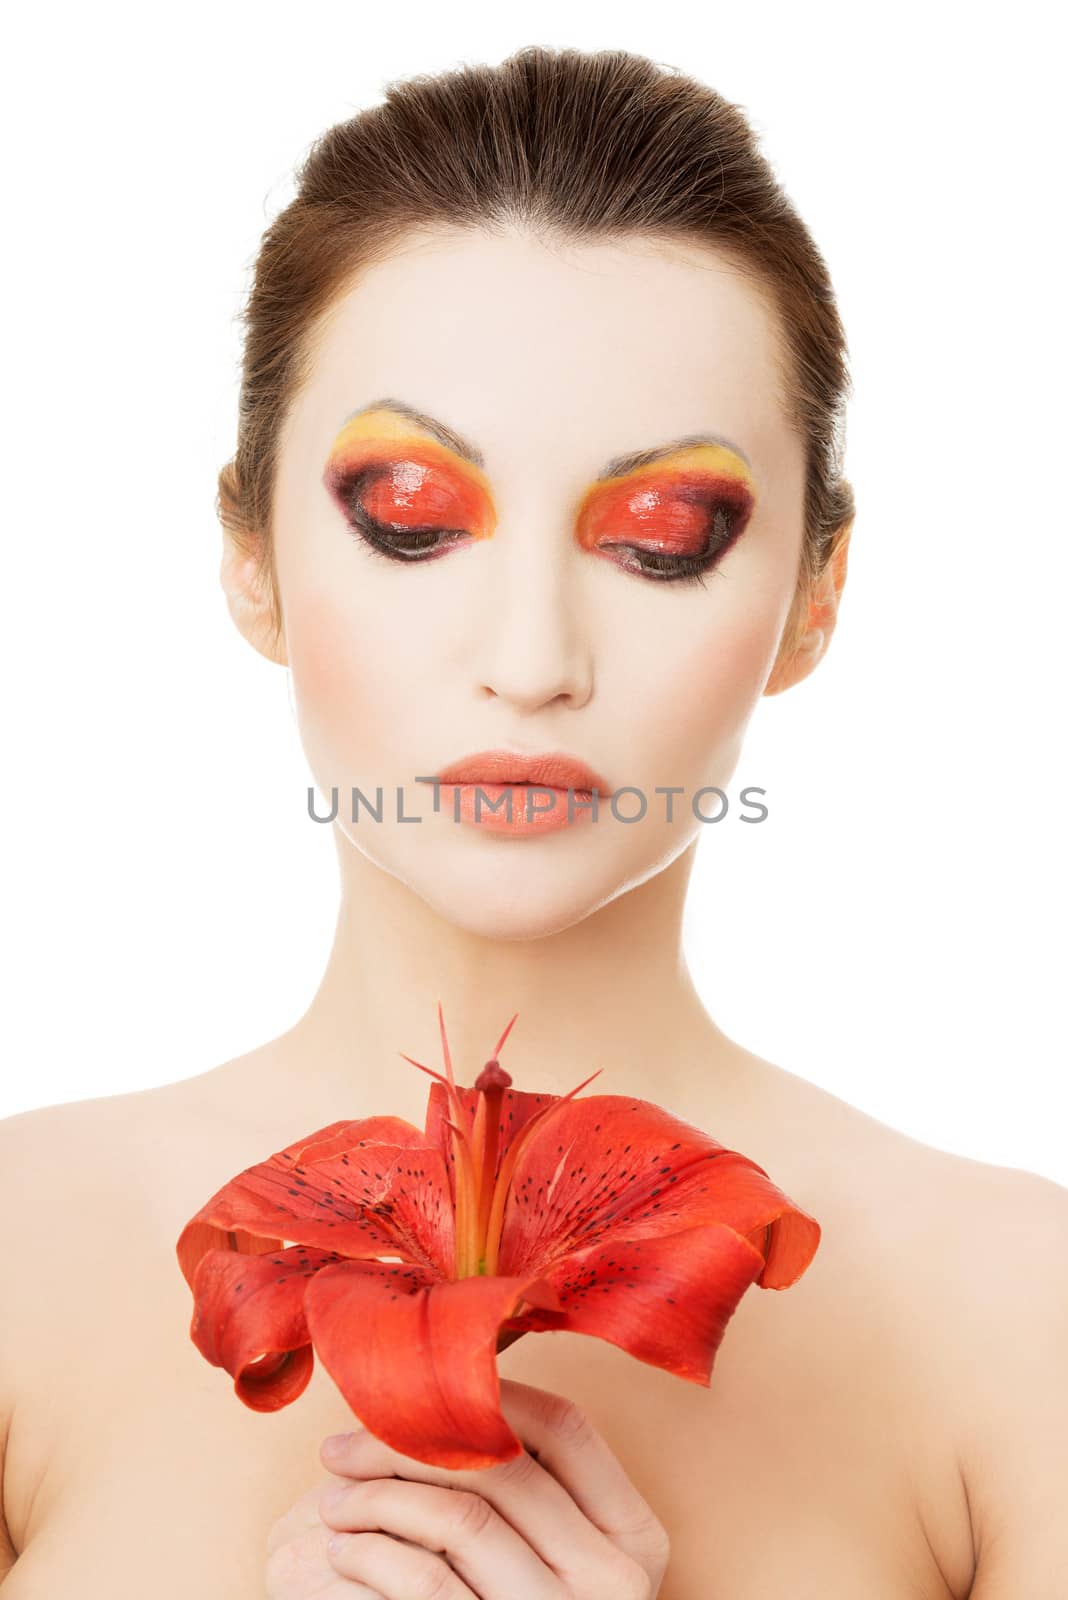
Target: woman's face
{"points": [[535, 608]]}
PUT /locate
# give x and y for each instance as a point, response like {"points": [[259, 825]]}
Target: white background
{"points": [[894, 931]]}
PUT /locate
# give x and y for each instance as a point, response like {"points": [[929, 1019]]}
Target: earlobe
{"points": [[248, 601]]}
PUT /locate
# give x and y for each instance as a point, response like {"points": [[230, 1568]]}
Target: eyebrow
{"points": [[617, 467]]}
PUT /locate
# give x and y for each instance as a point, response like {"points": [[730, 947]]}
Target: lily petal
{"points": [[341, 1192], [666, 1301], [607, 1216], [339, 1136], [613, 1167], [734, 1190], [248, 1317], [416, 1358]]}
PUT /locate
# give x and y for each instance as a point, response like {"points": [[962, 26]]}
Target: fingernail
{"points": [[335, 1544], [337, 1442]]}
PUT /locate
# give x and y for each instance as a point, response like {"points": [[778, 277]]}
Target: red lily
{"points": [[419, 1256]]}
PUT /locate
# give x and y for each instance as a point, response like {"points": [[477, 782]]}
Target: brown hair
{"points": [[580, 145]]}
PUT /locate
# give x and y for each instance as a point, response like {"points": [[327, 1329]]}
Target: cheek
{"points": [[734, 666], [710, 683], [346, 681]]}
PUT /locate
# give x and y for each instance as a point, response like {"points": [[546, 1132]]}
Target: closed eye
{"points": [[428, 542]]}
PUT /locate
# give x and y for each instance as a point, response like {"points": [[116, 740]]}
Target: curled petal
{"points": [[415, 1356], [248, 1317], [725, 1188], [198, 1237], [666, 1301]]}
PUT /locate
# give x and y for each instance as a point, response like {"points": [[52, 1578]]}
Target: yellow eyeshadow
{"points": [[384, 427], [714, 459]]}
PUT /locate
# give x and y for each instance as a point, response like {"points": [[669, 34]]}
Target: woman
{"points": [[539, 454]]}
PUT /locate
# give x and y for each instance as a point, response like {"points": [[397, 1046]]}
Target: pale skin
{"points": [[871, 1431]]}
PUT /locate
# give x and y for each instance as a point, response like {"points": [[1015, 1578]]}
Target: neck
{"points": [[612, 991]]}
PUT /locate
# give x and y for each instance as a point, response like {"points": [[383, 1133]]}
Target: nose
{"points": [[532, 647]]}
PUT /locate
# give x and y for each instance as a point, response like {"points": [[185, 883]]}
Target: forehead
{"points": [[524, 343]]}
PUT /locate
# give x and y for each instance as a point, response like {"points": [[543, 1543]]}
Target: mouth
{"points": [[552, 770], [511, 778]]}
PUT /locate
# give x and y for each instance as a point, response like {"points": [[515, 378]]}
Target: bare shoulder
{"points": [[120, 1149], [108, 1401], [44, 1185], [986, 1244], [80, 1160], [93, 1194], [71, 1178], [128, 1166], [953, 1273], [979, 1255], [54, 1161], [1004, 1313]]}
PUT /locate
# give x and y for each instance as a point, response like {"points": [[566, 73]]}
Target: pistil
{"points": [[491, 1083], [481, 1191]]}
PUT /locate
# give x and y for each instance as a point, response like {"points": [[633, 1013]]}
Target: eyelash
{"points": [[650, 563]]}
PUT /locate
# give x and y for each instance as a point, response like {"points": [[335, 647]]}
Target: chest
{"points": [[794, 1472]]}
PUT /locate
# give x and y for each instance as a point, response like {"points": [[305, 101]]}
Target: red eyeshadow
{"points": [[672, 510], [406, 486]]}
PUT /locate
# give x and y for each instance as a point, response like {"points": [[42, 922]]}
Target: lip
{"points": [[502, 776], [553, 769]]}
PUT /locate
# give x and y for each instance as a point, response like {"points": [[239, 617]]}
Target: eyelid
{"points": [[382, 461], [713, 469], [613, 507]]}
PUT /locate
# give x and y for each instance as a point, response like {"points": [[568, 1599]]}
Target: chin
{"points": [[509, 889]]}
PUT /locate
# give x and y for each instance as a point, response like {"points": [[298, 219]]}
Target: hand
{"points": [[561, 1521]]}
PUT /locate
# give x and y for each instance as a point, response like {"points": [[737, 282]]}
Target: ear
{"points": [[804, 648], [249, 600]]}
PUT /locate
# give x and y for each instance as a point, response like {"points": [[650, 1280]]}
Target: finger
{"points": [[301, 1515], [397, 1571], [301, 1569], [579, 1458], [484, 1549], [527, 1496]]}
